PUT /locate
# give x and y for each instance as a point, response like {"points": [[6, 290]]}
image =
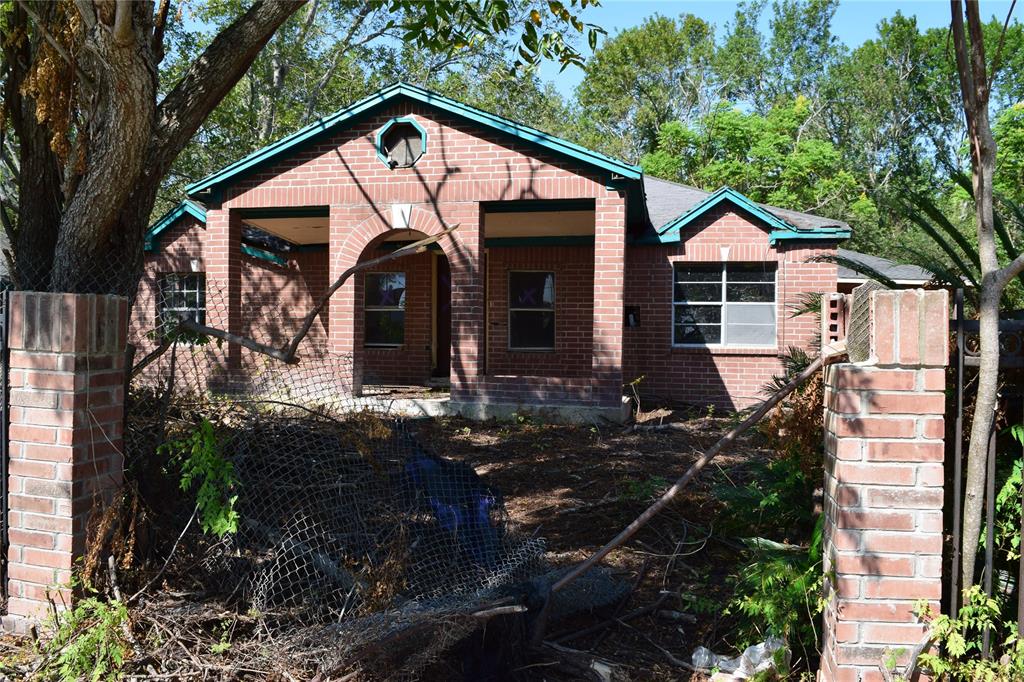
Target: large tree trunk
{"points": [[82, 215], [95, 248]]}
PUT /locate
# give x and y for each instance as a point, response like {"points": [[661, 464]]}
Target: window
{"points": [[401, 143], [384, 309], [723, 305], [531, 310], [182, 297]]}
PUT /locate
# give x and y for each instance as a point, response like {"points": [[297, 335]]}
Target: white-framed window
{"points": [[723, 304], [182, 297], [531, 310], [384, 309]]}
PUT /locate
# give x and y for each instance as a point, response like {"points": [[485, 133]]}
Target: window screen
{"points": [[384, 309], [182, 297], [531, 310], [728, 304]]}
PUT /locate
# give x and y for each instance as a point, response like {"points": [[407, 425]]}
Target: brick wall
{"points": [[67, 397], [884, 486], [724, 377], [574, 311], [273, 298]]}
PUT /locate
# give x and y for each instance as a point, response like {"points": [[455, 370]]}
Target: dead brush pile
{"points": [[275, 542]]}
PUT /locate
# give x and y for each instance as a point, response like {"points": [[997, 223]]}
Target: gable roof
{"points": [[346, 117], [671, 206], [186, 207], [901, 273]]}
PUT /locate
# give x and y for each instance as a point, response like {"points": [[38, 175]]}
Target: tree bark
{"points": [[89, 239], [974, 86]]}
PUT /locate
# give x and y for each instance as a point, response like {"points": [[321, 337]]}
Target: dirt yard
{"points": [[577, 486]]}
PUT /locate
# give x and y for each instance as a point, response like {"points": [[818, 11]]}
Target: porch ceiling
{"points": [[539, 224], [297, 230]]}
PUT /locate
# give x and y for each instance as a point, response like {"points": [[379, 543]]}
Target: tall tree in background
{"points": [[643, 78], [975, 74], [321, 60], [96, 128]]}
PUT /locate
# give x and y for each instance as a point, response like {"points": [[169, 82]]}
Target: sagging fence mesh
{"points": [[355, 548]]}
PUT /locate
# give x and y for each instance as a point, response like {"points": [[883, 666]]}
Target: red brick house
{"points": [[570, 273]]}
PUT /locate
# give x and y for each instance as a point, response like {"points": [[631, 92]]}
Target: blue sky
{"points": [[854, 22]]}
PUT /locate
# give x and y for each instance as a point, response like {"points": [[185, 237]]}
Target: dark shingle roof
{"points": [[667, 201], [898, 272]]}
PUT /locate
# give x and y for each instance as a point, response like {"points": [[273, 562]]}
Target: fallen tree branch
{"points": [[672, 492], [152, 356], [683, 480]]}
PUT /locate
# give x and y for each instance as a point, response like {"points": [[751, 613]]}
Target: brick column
{"points": [[467, 264], [609, 279], [884, 485], [66, 421], [223, 249]]}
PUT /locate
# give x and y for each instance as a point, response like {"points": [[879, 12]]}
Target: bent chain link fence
{"points": [[357, 548]]}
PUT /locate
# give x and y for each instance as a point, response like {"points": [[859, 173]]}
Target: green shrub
{"points": [[89, 642], [959, 657], [202, 461], [778, 589]]}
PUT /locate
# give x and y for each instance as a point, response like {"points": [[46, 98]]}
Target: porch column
{"points": [[223, 255], [342, 254], [609, 278], [466, 261]]}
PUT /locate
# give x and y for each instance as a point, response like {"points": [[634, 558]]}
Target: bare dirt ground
{"points": [[577, 486]]}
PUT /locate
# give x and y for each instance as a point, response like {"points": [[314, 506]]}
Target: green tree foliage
{"points": [[642, 78], [770, 158]]}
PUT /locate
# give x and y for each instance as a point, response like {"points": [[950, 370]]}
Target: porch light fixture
{"points": [[401, 142]]}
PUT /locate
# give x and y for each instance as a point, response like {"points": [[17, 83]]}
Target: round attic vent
{"points": [[401, 143]]}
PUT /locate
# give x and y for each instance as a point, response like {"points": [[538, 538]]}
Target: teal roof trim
{"points": [[168, 219], [733, 197], [263, 255], [780, 229], [821, 233], [337, 120]]}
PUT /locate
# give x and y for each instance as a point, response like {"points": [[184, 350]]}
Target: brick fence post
{"points": [[66, 421], [884, 486]]}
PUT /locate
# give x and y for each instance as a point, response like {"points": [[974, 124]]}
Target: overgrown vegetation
{"points": [[89, 641], [204, 466], [960, 657]]}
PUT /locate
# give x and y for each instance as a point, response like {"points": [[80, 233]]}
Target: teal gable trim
{"points": [[736, 199], [780, 230], [263, 255], [820, 234], [168, 219], [339, 120], [387, 126]]}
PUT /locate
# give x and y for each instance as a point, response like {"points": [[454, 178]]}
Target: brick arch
{"points": [[374, 227], [355, 243]]}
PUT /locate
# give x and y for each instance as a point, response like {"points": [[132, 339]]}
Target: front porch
{"points": [[509, 327]]}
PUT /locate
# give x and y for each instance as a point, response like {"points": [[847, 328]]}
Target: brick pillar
{"points": [[342, 254], [884, 485], [467, 263], [223, 249], [66, 421], [609, 279]]}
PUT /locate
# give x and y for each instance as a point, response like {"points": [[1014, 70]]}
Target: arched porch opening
{"points": [[402, 318]]}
